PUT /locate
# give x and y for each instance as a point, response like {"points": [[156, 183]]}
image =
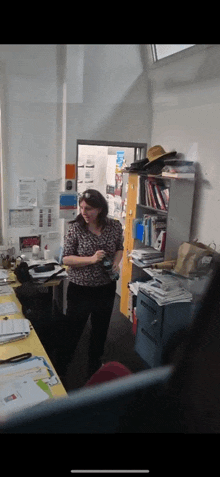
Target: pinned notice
{"points": [[68, 205]]}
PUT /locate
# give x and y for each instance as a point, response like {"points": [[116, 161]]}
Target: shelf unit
{"points": [[178, 223], [179, 213]]}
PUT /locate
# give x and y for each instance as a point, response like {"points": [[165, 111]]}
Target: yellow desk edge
{"points": [[32, 344]]}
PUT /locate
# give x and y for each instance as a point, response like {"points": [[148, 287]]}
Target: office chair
{"points": [[179, 398]]}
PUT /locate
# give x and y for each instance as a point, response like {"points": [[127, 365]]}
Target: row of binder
{"points": [[150, 230]]}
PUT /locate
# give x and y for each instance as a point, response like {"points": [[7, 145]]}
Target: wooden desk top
{"points": [[32, 344]]}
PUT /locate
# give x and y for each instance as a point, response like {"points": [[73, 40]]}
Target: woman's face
{"points": [[89, 213]]}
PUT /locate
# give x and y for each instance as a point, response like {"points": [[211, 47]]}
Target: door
{"points": [[92, 160]]}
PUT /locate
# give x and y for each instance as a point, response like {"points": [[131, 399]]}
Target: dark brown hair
{"points": [[95, 199]]}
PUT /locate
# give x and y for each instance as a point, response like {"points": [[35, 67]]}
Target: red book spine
{"points": [[152, 195], [160, 198]]}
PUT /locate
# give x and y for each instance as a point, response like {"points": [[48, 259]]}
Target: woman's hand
{"points": [[98, 256]]}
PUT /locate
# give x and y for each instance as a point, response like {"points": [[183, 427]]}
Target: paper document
{"points": [[20, 325], [13, 330], [27, 192], [3, 274], [134, 287], [20, 394], [6, 290], [8, 308], [35, 367], [21, 217]]}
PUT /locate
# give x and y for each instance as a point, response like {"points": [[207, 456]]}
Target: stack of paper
{"points": [[165, 290], [8, 308], [146, 256], [35, 367], [13, 329], [4, 277], [6, 290], [3, 274], [134, 287]]}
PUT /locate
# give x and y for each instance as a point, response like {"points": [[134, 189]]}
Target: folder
{"points": [[140, 232]]}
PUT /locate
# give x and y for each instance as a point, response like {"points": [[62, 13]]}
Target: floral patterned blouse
{"points": [[84, 243]]}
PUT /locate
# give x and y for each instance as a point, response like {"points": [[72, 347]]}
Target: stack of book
{"points": [[157, 195], [144, 257], [179, 172]]}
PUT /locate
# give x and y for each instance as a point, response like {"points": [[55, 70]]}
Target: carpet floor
{"points": [[119, 347]]}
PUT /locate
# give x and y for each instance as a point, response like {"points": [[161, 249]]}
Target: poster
{"points": [[27, 192], [21, 217], [52, 192], [86, 173]]}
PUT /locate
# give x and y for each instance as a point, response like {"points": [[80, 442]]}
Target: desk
{"points": [[53, 283], [31, 344]]}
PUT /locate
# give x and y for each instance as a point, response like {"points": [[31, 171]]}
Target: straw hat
{"points": [[158, 152]]}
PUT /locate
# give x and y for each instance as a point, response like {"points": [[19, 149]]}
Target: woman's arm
{"points": [[116, 261], [76, 261]]}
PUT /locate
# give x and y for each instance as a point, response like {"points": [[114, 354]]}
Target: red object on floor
{"points": [[108, 372]]}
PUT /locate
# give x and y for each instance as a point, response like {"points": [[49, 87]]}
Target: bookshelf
{"points": [[178, 213], [177, 216]]}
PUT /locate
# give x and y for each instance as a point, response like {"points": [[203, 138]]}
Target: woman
{"points": [[91, 237]]}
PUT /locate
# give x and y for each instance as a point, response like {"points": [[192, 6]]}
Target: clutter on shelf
{"points": [[151, 231], [146, 256], [164, 289]]}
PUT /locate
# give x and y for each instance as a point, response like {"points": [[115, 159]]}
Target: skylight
{"points": [[162, 51]]}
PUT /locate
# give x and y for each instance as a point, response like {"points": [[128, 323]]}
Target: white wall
{"points": [[112, 94], [30, 118], [186, 117], [107, 98]]}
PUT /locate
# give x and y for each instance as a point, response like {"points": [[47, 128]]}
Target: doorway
{"points": [[93, 160]]}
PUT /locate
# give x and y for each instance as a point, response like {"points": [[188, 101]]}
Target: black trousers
{"points": [[82, 302]]}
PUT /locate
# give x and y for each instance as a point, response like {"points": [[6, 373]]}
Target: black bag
{"points": [[34, 298], [22, 273]]}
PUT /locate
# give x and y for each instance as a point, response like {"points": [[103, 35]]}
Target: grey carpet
{"points": [[119, 347]]}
